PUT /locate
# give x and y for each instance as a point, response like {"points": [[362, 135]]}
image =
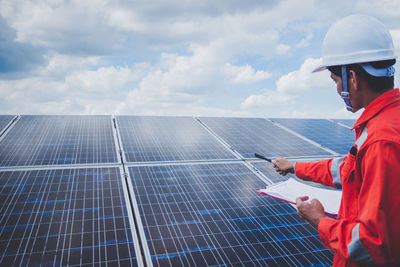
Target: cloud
{"points": [[303, 79], [290, 85], [269, 98], [16, 56], [162, 57], [245, 74], [305, 42]]}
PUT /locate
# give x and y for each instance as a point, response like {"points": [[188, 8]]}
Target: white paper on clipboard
{"points": [[291, 189]]}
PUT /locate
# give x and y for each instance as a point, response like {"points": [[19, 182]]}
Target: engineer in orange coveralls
{"points": [[358, 51]]}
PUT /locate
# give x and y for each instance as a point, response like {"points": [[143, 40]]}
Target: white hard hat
{"points": [[356, 39]]}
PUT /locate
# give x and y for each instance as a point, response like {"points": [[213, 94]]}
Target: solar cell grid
{"points": [[64, 217], [168, 139], [4, 120], [201, 215], [54, 140], [250, 135], [329, 134]]}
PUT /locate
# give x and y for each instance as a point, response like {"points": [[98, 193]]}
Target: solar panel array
{"points": [[162, 191]]}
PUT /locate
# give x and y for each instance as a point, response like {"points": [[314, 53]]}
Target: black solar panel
{"points": [[64, 217], [53, 140], [210, 215], [329, 134], [250, 135], [168, 139], [4, 121]]}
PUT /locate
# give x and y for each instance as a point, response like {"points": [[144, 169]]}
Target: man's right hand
{"points": [[283, 166]]}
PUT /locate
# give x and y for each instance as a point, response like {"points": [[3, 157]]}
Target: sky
{"points": [[175, 57]]}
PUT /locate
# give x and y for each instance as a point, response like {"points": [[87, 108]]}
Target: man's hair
{"points": [[377, 84]]}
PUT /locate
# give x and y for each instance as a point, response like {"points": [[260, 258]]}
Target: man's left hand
{"points": [[312, 211]]}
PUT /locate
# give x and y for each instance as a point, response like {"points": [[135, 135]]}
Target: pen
{"points": [[262, 157]]}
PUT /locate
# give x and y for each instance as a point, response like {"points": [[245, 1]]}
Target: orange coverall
{"points": [[367, 229]]}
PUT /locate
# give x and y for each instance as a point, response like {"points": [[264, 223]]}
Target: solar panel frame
{"points": [[257, 135], [66, 216], [59, 140], [324, 132], [143, 139], [174, 236]]}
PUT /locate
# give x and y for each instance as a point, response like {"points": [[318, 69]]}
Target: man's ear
{"points": [[354, 80]]}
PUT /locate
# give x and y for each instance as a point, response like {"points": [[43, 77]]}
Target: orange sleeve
{"points": [[319, 172]]}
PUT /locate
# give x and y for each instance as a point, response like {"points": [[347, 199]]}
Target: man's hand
{"points": [[283, 166], [312, 211]]}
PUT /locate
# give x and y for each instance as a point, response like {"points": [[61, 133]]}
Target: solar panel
{"points": [[329, 134], [250, 135], [210, 215], [348, 122], [168, 139], [4, 121], [54, 140], [64, 217]]}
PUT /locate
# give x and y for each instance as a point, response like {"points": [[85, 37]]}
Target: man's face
{"points": [[352, 94], [338, 81]]}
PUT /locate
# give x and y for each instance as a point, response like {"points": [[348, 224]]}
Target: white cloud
{"points": [[290, 85], [245, 74], [282, 49], [178, 57], [303, 79], [269, 98], [305, 42]]}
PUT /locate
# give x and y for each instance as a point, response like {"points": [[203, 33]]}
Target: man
{"points": [[359, 53]]}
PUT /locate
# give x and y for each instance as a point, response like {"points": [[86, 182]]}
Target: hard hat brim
{"points": [[320, 68]]}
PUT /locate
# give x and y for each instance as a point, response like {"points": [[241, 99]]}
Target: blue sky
{"points": [[175, 57]]}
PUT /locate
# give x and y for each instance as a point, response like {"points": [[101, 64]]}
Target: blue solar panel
{"points": [[168, 139], [250, 135], [64, 217], [53, 140], [348, 122], [326, 133], [210, 215], [4, 121]]}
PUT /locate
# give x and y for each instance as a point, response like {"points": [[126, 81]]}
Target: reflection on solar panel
{"points": [[53, 140], [347, 122], [203, 215], [64, 217], [329, 134], [4, 120], [250, 135], [168, 139]]}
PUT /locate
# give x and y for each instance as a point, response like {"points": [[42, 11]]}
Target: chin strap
{"points": [[345, 90]]}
